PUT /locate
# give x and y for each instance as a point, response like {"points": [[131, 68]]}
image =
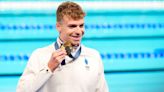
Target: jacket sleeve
{"points": [[34, 76], [102, 84]]}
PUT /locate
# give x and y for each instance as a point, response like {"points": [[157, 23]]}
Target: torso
{"points": [[76, 76]]}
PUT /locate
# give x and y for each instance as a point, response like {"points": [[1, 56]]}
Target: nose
{"points": [[79, 31]]}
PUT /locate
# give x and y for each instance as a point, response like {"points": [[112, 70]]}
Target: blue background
{"points": [[131, 44]]}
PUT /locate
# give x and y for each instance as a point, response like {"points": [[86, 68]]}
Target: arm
{"points": [[32, 75], [35, 74]]}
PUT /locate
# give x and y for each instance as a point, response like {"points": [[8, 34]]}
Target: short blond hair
{"points": [[71, 10]]}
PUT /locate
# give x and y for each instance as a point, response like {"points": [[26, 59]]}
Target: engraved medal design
{"points": [[68, 47]]}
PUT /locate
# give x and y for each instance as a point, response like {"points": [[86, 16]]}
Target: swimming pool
{"points": [[131, 44]]}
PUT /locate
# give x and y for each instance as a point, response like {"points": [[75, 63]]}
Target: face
{"points": [[71, 30]]}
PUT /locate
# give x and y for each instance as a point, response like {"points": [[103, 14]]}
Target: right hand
{"points": [[56, 58]]}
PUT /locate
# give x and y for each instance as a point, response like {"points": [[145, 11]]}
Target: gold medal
{"points": [[68, 47]]}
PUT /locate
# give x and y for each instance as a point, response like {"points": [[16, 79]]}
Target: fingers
{"points": [[59, 52], [60, 59], [58, 55], [56, 58]]}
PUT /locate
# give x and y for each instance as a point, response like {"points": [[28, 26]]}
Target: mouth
{"points": [[76, 38]]}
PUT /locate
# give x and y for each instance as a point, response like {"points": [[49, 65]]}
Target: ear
{"points": [[58, 26]]}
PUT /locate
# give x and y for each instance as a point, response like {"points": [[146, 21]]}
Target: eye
{"points": [[72, 26], [82, 25]]}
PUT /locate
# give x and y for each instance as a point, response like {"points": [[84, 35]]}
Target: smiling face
{"points": [[71, 30], [70, 22]]}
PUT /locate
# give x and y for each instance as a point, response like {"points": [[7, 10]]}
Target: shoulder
{"points": [[43, 50], [90, 51]]}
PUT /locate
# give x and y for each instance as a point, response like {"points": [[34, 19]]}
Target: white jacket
{"points": [[76, 76]]}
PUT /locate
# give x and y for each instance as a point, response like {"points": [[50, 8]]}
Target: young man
{"points": [[53, 69]]}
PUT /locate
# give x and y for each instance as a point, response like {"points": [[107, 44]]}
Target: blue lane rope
{"points": [[134, 55], [87, 26]]}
